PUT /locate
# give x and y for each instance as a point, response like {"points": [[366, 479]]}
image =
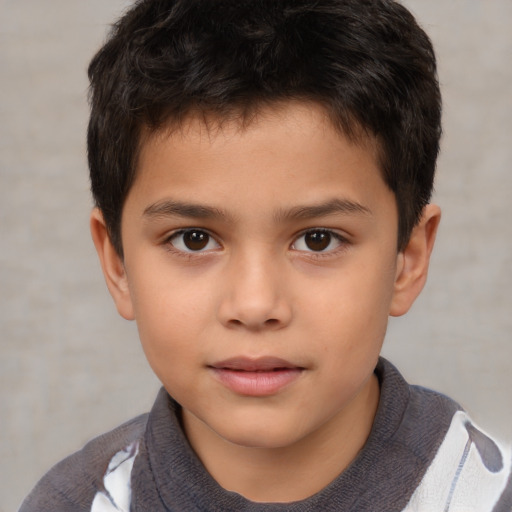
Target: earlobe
{"points": [[112, 265], [413, 261]]}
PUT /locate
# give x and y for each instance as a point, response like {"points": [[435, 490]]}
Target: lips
{"points": [[263, 376], [261, 364]]}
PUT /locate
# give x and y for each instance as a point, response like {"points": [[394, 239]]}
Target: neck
{"points": [[293, 472]]}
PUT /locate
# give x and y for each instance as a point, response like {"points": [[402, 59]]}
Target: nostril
{"points": [[271, 323]]}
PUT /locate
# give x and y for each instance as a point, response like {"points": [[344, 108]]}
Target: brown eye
{"points": [[317, 240], [193, 240]]}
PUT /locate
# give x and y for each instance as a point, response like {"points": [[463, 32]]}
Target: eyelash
{"points": [[189, 253], [333, 235]]}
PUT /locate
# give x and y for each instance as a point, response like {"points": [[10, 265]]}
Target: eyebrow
{"points": [[332, 207], [170, 208]]}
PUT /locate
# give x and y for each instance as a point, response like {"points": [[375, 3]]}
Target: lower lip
{"points": [[264, 383]]}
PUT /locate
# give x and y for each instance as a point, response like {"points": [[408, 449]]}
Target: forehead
{"points": [[279, 148], [236, 120]]}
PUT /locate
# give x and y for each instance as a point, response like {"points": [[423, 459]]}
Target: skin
{"points": [[259, 287]]}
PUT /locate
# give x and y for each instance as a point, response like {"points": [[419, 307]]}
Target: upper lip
{"points": [[248, 364]]}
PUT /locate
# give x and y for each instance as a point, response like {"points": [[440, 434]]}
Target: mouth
{"points": [[263, 376], [260, 364]]}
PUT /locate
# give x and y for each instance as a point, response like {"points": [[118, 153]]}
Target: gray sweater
{"points": [[423, 454]]}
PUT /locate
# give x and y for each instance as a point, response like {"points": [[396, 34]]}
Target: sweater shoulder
{"points": [[70, 486]]}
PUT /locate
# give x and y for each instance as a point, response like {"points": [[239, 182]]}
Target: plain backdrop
{"points": [[70, 368]]}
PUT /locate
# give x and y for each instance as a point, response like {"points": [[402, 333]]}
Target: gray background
{"points": [[71, 369]]}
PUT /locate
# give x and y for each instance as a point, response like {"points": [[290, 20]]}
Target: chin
{"points": [[261, 436]]}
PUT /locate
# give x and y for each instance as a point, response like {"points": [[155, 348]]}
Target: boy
{"points": [[262, 172]]}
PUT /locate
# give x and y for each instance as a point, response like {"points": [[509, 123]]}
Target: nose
{"points": [[254, 295]]}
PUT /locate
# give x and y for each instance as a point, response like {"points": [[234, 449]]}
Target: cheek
{"points": [[171, 316], [166, 293], [350, 310]]}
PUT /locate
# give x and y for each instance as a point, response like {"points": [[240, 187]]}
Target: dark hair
{"points": [[367, 62]]}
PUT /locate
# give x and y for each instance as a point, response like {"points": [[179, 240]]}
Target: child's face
{"points": [[260, 266]]}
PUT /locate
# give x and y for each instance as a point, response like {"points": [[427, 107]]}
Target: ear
{"points": [[112, 266], [413, 261]]}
